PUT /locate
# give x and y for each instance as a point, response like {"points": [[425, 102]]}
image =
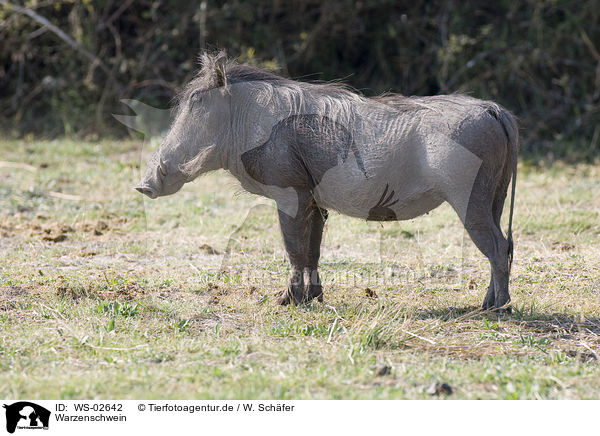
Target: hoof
{"points": [[490, 304], [490, 300], [504, 310], [284, 299], [503, 306], [314, 291], [487, 305], [290, 296]]}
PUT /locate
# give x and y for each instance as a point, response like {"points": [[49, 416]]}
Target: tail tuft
{"points": [[510, 251]]}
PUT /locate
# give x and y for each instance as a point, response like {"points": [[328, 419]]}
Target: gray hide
{"points": [[314, 147]]}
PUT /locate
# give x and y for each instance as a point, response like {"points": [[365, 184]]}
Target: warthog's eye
{"points": [[195, 97]]}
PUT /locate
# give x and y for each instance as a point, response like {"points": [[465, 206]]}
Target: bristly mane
{"points": [[207, 79]]}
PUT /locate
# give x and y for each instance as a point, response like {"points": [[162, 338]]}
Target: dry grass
{"points": [[104, 294]]}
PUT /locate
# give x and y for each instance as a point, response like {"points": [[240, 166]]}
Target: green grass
{"points": [[104, 294]]}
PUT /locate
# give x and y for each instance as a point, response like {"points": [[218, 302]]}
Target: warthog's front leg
{"points": [[297, 232], [312, 280]]}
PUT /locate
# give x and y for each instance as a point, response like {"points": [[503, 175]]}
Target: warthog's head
{"points": [[194, 144]]}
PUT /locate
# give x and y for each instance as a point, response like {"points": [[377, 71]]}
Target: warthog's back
{"points": [[426, 151]]}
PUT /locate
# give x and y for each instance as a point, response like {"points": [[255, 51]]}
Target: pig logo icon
{"points": [[26, 415]]}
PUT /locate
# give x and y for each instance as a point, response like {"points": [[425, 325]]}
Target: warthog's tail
{"points": [[512, 133]]}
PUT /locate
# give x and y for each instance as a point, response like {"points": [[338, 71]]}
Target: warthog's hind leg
{"points": [[490, 297], [493, 244], [482, 222]]}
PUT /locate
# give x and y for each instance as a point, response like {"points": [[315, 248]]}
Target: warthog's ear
{"points": [[220, 66]]}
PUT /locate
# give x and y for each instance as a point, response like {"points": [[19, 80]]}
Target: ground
{"points": [[105, 294]]}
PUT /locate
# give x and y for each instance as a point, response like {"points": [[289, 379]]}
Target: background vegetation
{"points": [[539, 58]]}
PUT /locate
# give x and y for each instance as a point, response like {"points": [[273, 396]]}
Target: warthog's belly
{"points": [[382, 202], [392, 193]]}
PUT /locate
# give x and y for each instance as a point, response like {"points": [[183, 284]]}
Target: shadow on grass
{"points": [[561, 322], [451, 313], [529, 319]]}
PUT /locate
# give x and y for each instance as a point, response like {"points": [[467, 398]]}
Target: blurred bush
{"points": [[539, 58]]}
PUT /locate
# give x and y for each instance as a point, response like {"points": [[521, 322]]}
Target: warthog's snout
{"points": [[147, 190]]}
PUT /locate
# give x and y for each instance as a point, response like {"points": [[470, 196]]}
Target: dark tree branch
{"points": [[114, 16], [62, 35]]}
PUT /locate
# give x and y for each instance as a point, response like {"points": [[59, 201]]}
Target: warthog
{"points": [[314, 147]]}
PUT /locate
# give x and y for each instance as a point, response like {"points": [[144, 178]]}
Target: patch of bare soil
{"points": [[9, 296], [370, 293], [102, 226], [64, 289], [562, 246], [583, 356], [54, 232], [127, 291], [121, 290], [226, 322], [6, 229], [44, 228], [209, 250]]}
